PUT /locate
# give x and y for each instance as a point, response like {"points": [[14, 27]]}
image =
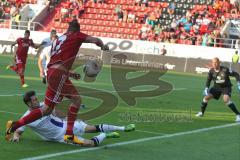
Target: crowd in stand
{"points": [[71, 8], [200, 26]]}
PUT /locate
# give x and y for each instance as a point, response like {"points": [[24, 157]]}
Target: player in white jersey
{"points": [[53, 128], [44, 57]]}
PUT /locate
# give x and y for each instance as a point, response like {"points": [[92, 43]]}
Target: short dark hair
{"points": [[27, 31], [53, 31], [27, 96], [74, 26]]}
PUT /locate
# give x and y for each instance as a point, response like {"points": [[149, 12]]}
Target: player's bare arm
{"points": [[74, 75], [96, 41]]}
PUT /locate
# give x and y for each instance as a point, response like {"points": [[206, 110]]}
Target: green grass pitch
{"points": [[215, 144]]}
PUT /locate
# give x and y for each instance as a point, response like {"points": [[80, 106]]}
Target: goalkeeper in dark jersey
{"points": [[220, 75]]}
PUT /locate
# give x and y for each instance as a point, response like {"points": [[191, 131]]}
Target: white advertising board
{"points": [[136, 46]]}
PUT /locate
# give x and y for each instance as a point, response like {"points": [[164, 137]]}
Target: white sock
{"points": [[109, 128], [99, 138]]}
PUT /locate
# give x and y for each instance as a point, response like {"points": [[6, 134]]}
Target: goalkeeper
{"points": [[220, 75]]}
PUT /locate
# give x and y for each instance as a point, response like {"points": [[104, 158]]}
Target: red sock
{"points": [[31, 117], [72, 114], [13, 68], [22, 79]]}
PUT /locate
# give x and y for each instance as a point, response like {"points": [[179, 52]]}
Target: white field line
{"points": [[131, 142], [156, 133], [41, 94], [2, 111]]}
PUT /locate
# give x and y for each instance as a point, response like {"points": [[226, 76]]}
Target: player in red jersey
{"points": [[20, 58], [63, 53]]}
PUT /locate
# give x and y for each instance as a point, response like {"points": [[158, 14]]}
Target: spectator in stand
{"points": [[173, 25], [138, 2], [199, 40], [163, 51], [157, 29], [2, 13], [151, 20], [183, 20], [99, 1], [187, 26], [119, 12], [18, 3], [217, 40], [188, 14], [151, 35], [210, 40], [199, 20], [145, 3], [206, 20], [144, 32], [81, 8], [131, 17], [204, 39], [171, 8], [237, 45], [15, 16], [64, 14], [125, 16]]}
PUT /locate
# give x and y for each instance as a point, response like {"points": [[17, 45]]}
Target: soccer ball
{"points": [[91, 68]]}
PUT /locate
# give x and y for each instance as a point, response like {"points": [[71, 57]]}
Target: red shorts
{"points": [[20, 68], [59, 86]]}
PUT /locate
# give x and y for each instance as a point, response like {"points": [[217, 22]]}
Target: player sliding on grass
{"points": [[222, 86], [20, 58], [63, 54], [52, 128]]}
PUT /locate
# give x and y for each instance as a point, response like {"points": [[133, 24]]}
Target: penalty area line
{"points": [[132, 142]]}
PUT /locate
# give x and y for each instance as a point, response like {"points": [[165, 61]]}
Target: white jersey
{"points": [[45, 57], [52, 128], [45, 53], [47, 42]]}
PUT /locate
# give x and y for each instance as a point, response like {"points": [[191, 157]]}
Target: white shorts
{"points": [[78, 130]]}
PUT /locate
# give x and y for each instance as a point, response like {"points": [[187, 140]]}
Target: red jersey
{"points": [[65, 48], [22, 50]]}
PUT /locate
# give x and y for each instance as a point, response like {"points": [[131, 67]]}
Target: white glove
{"points": [[205, 92]]}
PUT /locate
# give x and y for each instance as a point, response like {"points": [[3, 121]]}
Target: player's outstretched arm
{"points": [[96, 41]]}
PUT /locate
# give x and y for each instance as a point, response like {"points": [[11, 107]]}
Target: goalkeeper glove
{"points": [[205, 92], [238, 87]]}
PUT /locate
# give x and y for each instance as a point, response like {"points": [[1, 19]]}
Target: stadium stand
{"points": [[195, 22], [10, 10]]}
